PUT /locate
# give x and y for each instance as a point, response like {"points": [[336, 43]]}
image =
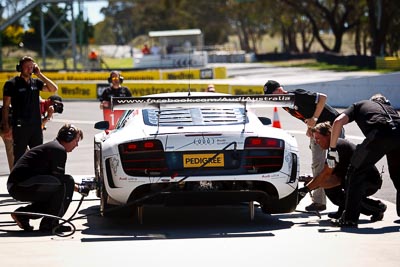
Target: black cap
{"points": [[271, 86]]}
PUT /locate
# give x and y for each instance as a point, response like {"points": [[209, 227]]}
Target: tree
{"points": [[333, 16], [134, 18], [12, 35], [59, 33], [383, 17], [251, 20], [290, 24], [32, 37]]}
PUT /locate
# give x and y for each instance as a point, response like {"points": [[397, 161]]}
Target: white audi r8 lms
{"points": [[196, 149]]}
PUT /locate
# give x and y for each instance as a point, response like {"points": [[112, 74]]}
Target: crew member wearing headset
{"points": [[39, 177], [22, 93], [47, 108], [114, 90]]}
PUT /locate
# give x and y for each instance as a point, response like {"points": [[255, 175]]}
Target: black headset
{"points": [[18, 67], [67, 133], [121, 79]]}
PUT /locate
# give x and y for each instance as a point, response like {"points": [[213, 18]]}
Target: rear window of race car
{"points": [[194, 116]]}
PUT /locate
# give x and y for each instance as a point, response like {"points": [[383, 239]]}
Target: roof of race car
{"points": [[200, 99]]}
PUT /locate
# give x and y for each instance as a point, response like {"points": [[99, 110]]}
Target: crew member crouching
{"points": [[39, 177]]}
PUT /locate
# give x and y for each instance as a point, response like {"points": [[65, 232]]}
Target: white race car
{"points": [[196, 148]]}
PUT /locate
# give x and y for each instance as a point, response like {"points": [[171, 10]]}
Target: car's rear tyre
{"points": [[110, 210], [104, 206], [285, 205]]}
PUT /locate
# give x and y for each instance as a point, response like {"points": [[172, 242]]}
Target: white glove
{"points": [[333, 157]]}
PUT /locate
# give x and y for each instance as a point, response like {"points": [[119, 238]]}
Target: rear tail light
{"points": [[263, 143], [263, 155], [141, 146], [143, 158]]}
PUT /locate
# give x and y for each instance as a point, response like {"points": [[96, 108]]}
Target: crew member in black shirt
{"points": [[333, 180], [311, 108], [115, 89], [39, 177], [380, 124], [22, 93]]}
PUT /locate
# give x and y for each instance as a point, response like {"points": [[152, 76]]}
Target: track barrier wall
{"points": [[162, 74]]}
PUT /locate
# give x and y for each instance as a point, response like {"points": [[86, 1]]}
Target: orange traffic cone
{"points": [[276, 123]]}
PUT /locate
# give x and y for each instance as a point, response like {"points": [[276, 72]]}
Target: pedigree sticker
{"points": [[197, 160]]}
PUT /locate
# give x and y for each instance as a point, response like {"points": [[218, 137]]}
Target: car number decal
{"points": [[204, 141], [196, 160]]}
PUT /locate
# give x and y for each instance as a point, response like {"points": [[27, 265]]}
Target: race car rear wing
{"points": [[128, 103]]}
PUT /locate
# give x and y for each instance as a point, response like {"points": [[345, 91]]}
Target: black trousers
{"points": [[337, 195], [26, 136], [48, 194], [368, 153]]}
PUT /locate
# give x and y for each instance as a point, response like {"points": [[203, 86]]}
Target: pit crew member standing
{"points": [[310, 108], [47, 108], [333, 180], [115, 89], [39, 177], [22, 93], [380, 124], [8, 142]]}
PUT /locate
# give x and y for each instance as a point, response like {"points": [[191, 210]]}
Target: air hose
{"points": [[54, 230]]}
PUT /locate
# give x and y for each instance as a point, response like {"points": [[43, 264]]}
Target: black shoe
{"points": [[379, 215], [335, 215], [344, 223], [316, 207], [22, 221]]}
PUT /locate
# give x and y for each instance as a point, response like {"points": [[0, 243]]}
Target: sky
{"points": [[92, 10]]}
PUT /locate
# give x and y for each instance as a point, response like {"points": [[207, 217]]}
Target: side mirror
{"points": [[265, 120], [102, 125]]}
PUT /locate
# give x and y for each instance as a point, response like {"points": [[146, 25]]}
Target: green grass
{"points": [[313, 64], [118, 63]]}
